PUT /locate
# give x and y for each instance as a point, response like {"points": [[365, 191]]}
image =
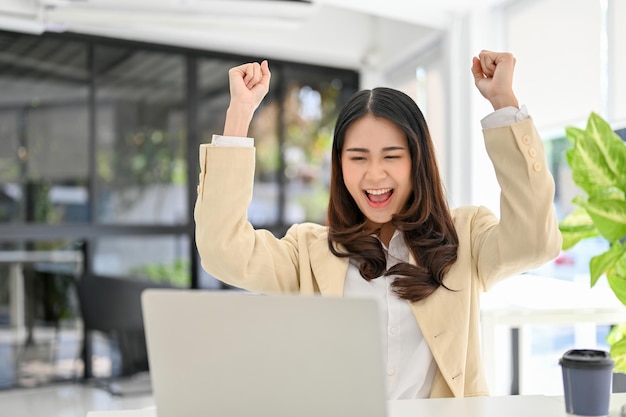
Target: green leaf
{"points": [[577, 226], [611, 146], [616, 333], [620, 267], [589, 171], [598, 157], [605, 262], [570, 239], [573, 134], [618, 353], [576, 219], [609, 217], [617, 282]]}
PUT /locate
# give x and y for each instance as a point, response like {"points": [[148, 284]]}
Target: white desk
{"points": [[519, 302], [77, 400], [509, 406]]}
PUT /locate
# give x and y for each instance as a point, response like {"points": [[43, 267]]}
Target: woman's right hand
{"points": [[249, 83]]}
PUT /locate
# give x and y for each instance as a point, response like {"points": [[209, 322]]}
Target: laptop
{"points": [[235, 354]]}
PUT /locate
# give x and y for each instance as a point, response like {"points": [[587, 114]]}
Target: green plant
{"points": [[598, 163], [177, 273]]}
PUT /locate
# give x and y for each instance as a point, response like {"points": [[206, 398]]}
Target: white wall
{"points": [[617, 84], [557, 43], [485, 32]]}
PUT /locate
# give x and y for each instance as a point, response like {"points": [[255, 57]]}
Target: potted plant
{"points": [[598, 163]]}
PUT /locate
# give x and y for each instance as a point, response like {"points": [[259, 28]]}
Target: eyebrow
{"points": [[387, 149]]}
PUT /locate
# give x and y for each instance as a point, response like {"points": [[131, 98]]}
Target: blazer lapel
{"points": [[329, 270], [442, 318]]}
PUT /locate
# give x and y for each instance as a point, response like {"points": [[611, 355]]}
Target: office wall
{"points": [[617, 103], [558, 46]]}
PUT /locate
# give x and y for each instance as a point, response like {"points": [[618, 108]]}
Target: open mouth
{"points": [[379, 196]]}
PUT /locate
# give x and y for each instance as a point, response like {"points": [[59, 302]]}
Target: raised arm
{"points": [[526, 233], [230, 249], [249, 83]]}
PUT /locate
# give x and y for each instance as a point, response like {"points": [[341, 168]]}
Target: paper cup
{"points": [[587, 379]]}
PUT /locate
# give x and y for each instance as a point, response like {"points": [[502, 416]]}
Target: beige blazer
{"points": [[525, 237]]}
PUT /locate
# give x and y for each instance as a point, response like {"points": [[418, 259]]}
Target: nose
{"points": [[375, 171]]}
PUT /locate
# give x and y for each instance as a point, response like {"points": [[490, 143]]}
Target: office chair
{"points": [[112, 306]]}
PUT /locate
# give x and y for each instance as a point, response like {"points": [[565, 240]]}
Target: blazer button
{"points": [[526, 139], [537, 166], [532, 152]]}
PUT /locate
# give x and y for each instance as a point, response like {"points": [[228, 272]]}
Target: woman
{"points": [[390, 234]]}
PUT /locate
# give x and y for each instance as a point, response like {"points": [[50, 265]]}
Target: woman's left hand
{"points": [[493, 76]]}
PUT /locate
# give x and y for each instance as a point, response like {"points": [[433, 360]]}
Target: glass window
{"points": [[141, 137], [214, 99], [311, 103], [266, 207], [10, 167], [161, 259], [57, 170], [44, 159]]}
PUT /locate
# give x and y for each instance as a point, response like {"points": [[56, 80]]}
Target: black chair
{"points": [[112, 306]]}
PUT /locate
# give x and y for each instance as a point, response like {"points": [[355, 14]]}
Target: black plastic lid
{"points": [[586, 358]]}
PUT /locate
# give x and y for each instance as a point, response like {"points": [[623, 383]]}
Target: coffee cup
{"points": [[587, 380]]}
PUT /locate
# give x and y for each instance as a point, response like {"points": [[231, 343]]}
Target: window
{"points": [[141, 137], [44, 159], [98, 153]]}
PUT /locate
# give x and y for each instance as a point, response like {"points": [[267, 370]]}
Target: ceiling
{"points": [[343, 33]]}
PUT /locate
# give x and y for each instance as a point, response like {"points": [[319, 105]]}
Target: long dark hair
{"points": [[425, 221]]}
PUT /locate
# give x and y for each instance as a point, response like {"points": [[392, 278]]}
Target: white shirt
{"points": [[409, 364]]}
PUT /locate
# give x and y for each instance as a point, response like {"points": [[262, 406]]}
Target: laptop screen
{"points": [[230, 353]]}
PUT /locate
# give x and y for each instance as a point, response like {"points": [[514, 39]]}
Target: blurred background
{"points": [[103, 104]]}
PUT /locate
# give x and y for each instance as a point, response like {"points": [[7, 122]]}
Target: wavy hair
{"points": [[425, 220]]}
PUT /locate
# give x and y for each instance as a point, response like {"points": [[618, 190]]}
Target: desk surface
{"points": [[76, 400], [509, 406]]}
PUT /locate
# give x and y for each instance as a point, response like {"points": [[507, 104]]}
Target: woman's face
{"points": [[376, 164]]}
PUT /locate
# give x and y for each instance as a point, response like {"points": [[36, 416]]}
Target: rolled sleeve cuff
{"points": [[505, 117], [219, 140]]}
